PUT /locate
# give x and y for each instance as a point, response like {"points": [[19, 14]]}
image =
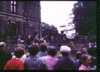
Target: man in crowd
{"points": [[65, 63], [4, 56]]}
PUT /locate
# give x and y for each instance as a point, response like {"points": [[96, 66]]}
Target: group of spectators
{"points": [[42, 57], [56, 39]]}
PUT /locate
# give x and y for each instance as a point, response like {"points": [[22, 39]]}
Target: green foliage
{"points": [[85, 17]]}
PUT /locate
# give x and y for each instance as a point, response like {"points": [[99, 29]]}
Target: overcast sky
{"points": [[57, 13]]}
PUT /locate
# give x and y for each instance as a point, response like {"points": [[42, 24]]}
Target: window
{"points": [[13, 6], [11, 28]]}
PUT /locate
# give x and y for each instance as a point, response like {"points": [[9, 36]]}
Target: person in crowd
{"points": [[41, 40], [52, 40], [15, 63], [37, 39], [59, 56], [50, 60], [76, 62], [84, 62], [19, 40], [43, 50], [45, 42], [92, 53], [33, 62], [29, 40], [93, 63], [84, 50], [63, 37], [36, 32], [4, 55], [24, 56], [65, 63]]}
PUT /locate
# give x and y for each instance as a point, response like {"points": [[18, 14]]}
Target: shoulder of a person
{"points": [[81, 68], [24, 55], [9, 61], [60, 60], [7, 54], [27, 58], [57, 59], [44, 57]]}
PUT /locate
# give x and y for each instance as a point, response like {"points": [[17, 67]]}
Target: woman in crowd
{"points": [[15, 63], [50, 60], [84, 62], [33, 62]]}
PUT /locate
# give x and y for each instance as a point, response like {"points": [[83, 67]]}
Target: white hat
{"points": [[2, 43], [65, 48]]}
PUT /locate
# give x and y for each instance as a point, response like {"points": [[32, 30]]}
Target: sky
{"points": [[57, 13]]}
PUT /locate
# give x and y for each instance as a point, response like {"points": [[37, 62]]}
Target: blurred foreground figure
{"points": [[4, 56], [76, 62], [92, 53], [33, 62], [24, 56], [50, 60], [15, 63], [84, 62], [65, 63]]}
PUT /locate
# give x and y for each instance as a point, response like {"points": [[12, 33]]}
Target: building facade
{"points": [[19, 18]]}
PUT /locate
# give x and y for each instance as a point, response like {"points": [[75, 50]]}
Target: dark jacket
{"points": [[65, 63], [4, 57]]}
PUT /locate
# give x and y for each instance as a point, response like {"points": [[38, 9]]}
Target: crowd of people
{"points": [[55, 39], [43, 56]]}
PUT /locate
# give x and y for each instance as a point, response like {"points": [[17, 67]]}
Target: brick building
{"points": [[19, 18]]}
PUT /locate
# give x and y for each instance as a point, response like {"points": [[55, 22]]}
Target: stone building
{"points": [[19, 18]]}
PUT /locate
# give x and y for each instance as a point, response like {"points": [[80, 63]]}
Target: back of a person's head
{"points": [[65, 50], [43, 47], [2, 45], [33, 49], [78, 55], [18, 52], [52, 50]]}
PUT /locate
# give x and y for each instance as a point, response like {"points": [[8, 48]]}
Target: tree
{"points": [[85, 18]]}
